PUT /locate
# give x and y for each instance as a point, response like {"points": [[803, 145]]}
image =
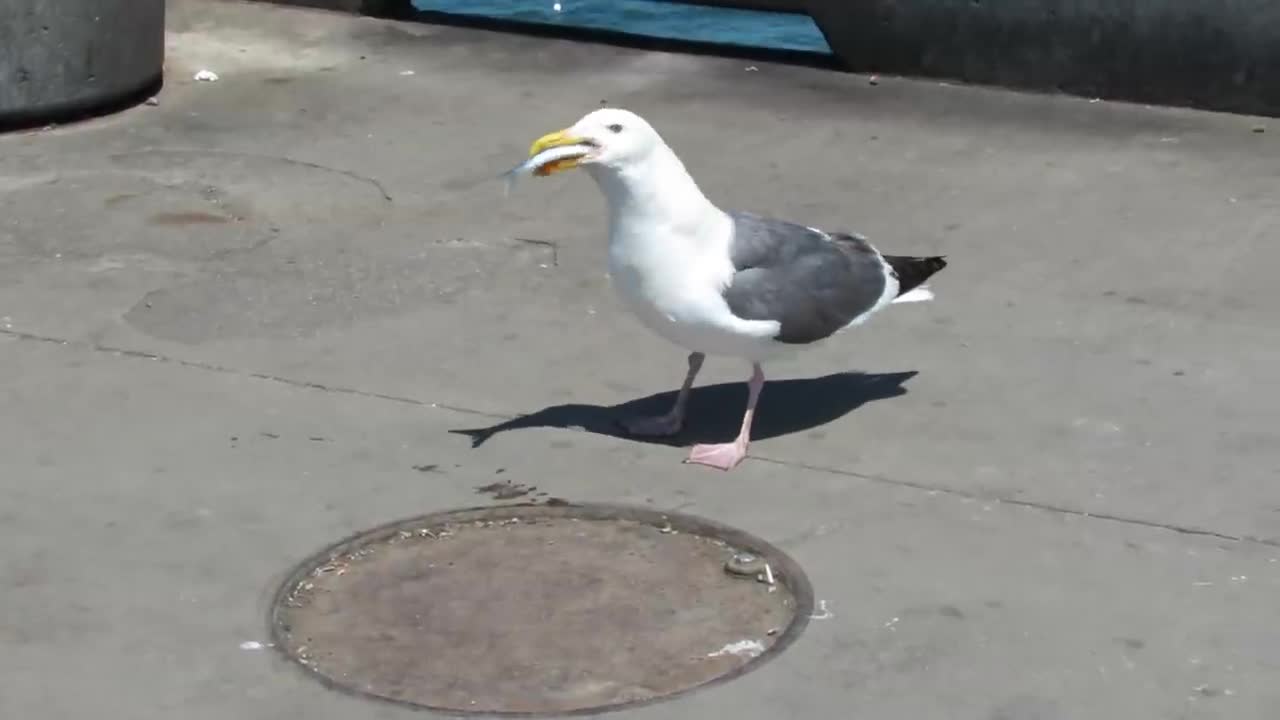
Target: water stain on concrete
{"points": [[190, 217], [115, 200], [506, 490], [1131, 643]]}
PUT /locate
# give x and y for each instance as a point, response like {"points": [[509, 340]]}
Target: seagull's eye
{"points": [[615, 128]]}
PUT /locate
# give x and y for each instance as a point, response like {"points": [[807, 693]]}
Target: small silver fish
{"points": [[546, 157]]}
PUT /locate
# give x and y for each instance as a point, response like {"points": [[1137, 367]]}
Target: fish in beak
{"points": [[552, 153], [558, 151]]}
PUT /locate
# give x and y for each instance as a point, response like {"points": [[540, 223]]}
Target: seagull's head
{"points": [[610, 138]]}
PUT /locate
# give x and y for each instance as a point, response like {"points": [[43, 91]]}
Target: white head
{"points": [[618, 139], [630, 163]]}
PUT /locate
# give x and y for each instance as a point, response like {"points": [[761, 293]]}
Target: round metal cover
{"points": [[536, 609]]}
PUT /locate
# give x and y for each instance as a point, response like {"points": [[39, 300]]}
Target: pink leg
{"points": [[670, 423], [727, 455]]}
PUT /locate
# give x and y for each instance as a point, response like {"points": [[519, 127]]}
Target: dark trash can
{"points": [[65, 59]]}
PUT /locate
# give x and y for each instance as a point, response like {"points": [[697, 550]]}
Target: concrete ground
{"points": [[234, 323]]}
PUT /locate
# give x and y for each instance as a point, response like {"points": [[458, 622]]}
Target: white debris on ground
{"points": [[823, 613], [251, 645], [206, 76], [749, 648]]}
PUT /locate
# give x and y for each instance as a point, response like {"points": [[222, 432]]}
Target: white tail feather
{"points": [[919, 294]]}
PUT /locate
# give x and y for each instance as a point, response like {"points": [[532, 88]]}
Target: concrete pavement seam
{"points": [[307, 384], [1032, 504], [222, 369]]}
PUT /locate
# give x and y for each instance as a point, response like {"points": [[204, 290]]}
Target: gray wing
{"points": [[811, 282]]}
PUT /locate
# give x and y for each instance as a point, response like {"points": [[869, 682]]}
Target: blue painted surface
{"points": [[654, 18]]}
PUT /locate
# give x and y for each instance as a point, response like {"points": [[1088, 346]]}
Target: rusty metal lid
{"points": [[533, 610]]}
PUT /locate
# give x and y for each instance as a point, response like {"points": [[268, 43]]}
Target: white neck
{"points": [[658, 188]]}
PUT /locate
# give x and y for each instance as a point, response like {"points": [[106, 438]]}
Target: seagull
{"points": [[716, 282]]}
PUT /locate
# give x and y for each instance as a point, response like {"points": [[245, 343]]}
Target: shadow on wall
{"points": [[800, 48], [379, 8]]}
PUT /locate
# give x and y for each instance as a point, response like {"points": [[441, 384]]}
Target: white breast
{"points": [[669, 257], [672, 279]]}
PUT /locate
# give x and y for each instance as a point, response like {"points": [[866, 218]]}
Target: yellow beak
{"points": [[558, 138]]}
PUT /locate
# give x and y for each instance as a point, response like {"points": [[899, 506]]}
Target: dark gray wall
{"points": [[1213, 54], [61, 59], [1219, 54]]}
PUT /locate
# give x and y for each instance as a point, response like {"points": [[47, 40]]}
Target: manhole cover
{"points": [[534, 610]]}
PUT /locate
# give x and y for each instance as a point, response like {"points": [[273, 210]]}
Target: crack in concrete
{"points": [[879, 479], [386, 196], [555, 248]]}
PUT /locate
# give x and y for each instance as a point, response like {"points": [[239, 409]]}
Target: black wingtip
{"points": [[913, 271]]}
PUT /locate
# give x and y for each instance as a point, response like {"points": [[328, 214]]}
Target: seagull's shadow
{"points": [[715, 411]]}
